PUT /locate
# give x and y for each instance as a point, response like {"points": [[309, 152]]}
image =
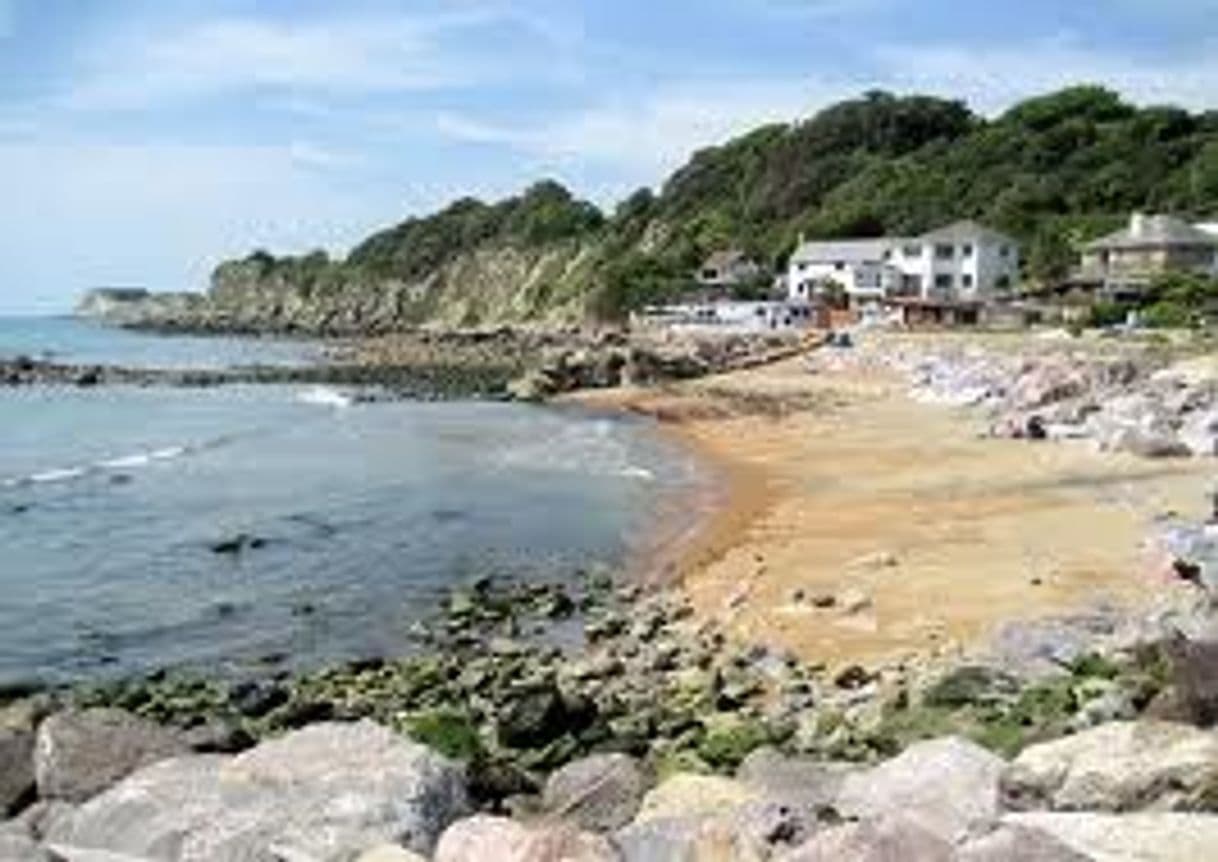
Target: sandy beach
{"points": [[925, 535]]}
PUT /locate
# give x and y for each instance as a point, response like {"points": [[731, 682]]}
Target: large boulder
{"points": [[1123, 766], [692, 795], [600, 793], [17, 844], [800, 783], [1143, 837], [738, 836], [888, 838], [389, 853], [1009, 842], [79, 753], [943, 785], [485, 838], [323, 793], [16, 768]]}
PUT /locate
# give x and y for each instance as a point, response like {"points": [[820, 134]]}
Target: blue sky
{"points": [[142, 141]]}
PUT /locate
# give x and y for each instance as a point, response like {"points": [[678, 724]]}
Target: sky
{"points": [[143, 141]]}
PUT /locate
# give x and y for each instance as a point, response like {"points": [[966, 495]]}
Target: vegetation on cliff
{"points": [[1053, 171]]}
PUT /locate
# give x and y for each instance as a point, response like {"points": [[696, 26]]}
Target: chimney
{"points": [[1137, 224]]}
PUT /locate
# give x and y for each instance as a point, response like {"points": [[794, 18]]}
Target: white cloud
{"points": [[649, 136], [160, 215], [992, 78], [342, 55]]}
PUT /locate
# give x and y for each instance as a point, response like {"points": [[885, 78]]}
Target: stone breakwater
{"points": [[529, 365], [1135, 400], [602, 723]]}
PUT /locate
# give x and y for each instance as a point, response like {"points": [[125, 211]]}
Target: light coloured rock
{"points": [[323, 793], [1008, 842], [78, 754], [943, 785], [882, 839], [600, 793], [703, 838], [1123, 766], [17, 844], [797, 782], [1142, 837], [16, 768], [483, 837], [390, 853], [691, 795]]}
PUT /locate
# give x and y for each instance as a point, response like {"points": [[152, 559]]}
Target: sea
{"points": [[113, 500]]}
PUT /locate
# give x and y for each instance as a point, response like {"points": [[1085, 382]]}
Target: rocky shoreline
{"points": [[530, 365], [603, 722]]}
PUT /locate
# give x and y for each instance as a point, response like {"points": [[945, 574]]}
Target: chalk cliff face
{"points": [[527, 259]]}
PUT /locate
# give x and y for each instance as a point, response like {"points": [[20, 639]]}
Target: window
{"points": [[760, 312], [945, 252], [943, 281], [912, 251], [839, 266], [802, 265], [887, 254], [1003, 282], [801, 289], [1005, 251], [967, 249], [966, 280]]}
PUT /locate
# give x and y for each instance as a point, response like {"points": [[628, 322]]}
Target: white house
{"points": [[963, 261]]}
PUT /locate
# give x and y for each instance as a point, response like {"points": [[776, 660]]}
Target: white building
{"points": [[734, 316], [964, 261]]}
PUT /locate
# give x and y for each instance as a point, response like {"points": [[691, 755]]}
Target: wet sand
{"points": [[926, 535]]}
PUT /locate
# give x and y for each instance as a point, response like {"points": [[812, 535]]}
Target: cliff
{"points": [[1053, 171]]}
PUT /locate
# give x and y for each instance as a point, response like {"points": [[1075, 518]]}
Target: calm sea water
{"points": [[111, 500]]}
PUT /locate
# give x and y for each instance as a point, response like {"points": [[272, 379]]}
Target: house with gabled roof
{"points": [[1127, 260], [960, 262]]}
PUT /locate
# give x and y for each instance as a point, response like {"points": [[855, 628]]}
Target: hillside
{"points": [[1053, 171]]}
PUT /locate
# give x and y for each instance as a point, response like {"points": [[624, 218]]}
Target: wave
{"points": [[108, 465], [324, 396]]}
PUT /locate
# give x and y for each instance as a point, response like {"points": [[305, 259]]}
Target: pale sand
{"points": [[860, 488]]}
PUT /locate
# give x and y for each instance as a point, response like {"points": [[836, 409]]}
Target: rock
{"points": [[496, 838], [804, 785], [1194, 667], [1123, 766], [532, 720], [1147, 444], [943, 785], [16, 769], [888, 838], [689, 794], [1008, 842], [1144, 837], [599, 793], [238, 544], [80, 753], [324, 793], [732, 836], [853, 602], [533, 386], [17, 844], [389, 853]]}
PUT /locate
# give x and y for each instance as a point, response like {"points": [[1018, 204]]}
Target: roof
{"points": [[964, 231], [1154, 231], [845, 250]]}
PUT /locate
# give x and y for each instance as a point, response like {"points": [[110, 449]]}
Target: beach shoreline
{"points": [[851, 523]]}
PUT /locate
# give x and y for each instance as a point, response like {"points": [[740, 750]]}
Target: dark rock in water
{"points": [[533, 720], [237, 544], [1035, 429], [121, 479], [256, 699], [304, 609], [16, 769], [89, 376], [81, 753]]}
